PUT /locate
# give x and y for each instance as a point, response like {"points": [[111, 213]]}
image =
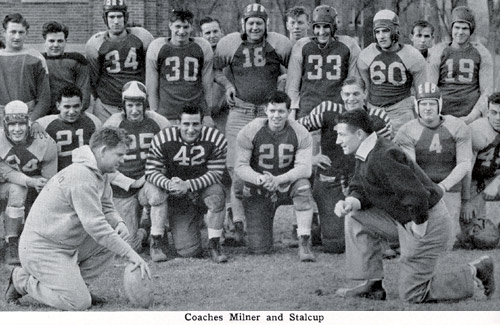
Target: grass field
{"points": [[272, 282]]}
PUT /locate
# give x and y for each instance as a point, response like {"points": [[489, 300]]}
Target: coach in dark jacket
{"points": [[391, 197]]}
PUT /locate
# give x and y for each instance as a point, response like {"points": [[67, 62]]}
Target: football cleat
{"points": [[370, 289]]}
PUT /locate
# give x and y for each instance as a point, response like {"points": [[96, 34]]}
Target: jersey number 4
{"points": [[267, 154], [487, 157], [318, 65], [114, 58], [194, 158]]}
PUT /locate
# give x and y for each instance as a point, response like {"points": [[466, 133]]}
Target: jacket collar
{"points": [[366, 146]]}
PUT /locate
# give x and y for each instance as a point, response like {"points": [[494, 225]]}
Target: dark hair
{"points": [[15, 18], [110, 137], [494, 98], [54, 27], [422, 24], [354, 81], [2, 45], [69, 92], [357, 119], [191, 110], [182, 15], [277, 97], [297, 11], [208, 19]]}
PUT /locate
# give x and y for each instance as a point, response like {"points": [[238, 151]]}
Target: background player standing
{"points": [[297, 21], [390, 69], [64, 68], [116, 56], [141, 125], [180, 70], [72, 127], [422, 37], [33, 160], [255, 57], [274, 160], [185, 165], [462, 69], [441, 146]]}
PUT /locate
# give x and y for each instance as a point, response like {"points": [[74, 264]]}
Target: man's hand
{"points": [[38, 131], [36, 182], [491, 192], [272, 182], [230, 96], [467, 211], [138, 262], [122, 230], [344, 207], [321, 161], [139, 182], [208, 121], [178, 186]]}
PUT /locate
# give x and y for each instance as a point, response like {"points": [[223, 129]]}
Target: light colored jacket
{"points": [[74, 204]]}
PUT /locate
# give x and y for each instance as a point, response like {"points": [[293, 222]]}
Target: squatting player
{"points": [[255, 57], [185, 165], [274, 160], [462, 69], [390, 69], [116, 56], [179, 69], [334, 168], [33, 160], [441, 146], [72, 127], [141, 125]]}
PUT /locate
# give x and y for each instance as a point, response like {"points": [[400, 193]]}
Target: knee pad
{"points": [[215, 203], [302, 198]]}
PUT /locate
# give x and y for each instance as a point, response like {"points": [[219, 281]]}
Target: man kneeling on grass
{"points": [[73, 230], [390, 196]]}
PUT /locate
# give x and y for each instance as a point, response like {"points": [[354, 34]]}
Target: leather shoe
{"points": [[12, 296], [370, 289], [485, 268]]}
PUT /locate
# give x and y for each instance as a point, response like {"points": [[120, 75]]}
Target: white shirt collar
{"points": [[366, 146]]}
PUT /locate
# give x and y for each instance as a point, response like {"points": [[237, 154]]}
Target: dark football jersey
{"points": [[69, 136], [113, 63], [486, 143]]}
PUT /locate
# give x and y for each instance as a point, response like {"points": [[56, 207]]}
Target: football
{"points": [[138, 291]]}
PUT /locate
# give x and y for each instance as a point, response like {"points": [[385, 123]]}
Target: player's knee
{"points": [[152, 195], [17, 196], [302, 198], [215, 203], [79, 301]]}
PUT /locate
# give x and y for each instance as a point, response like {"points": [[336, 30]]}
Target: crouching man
{"points": [[390, 196], [274, 160], [73, 230]]}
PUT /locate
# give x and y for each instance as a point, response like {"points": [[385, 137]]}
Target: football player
{"points": [[64, 68], [72, 127], [274, 160], [23, 72], [31, 162], [185, 165], [141, 125], [441, 146], [422, 36], [319, 64], [116, 56], [297, 20], [335, 169], [390, 69], [462, 69], [180, 70], [255, 57]]}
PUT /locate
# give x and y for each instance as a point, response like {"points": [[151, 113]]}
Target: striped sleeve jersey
{"points": [[201, 162]]}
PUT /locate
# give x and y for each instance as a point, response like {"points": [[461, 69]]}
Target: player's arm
{"points": [[215, 164], [381, 123], [154, 163], [294, 75], [463, 147], [244, 148], [49, 160], [418, 69], [353, 59], [434, 65], [406, 141], [222, 58], [153, 76], [83, 82], [42, 100], [119, 180], [364, 73], [92, 56], [314, 120], [207, 75], [485, 85], [303, 158]]}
